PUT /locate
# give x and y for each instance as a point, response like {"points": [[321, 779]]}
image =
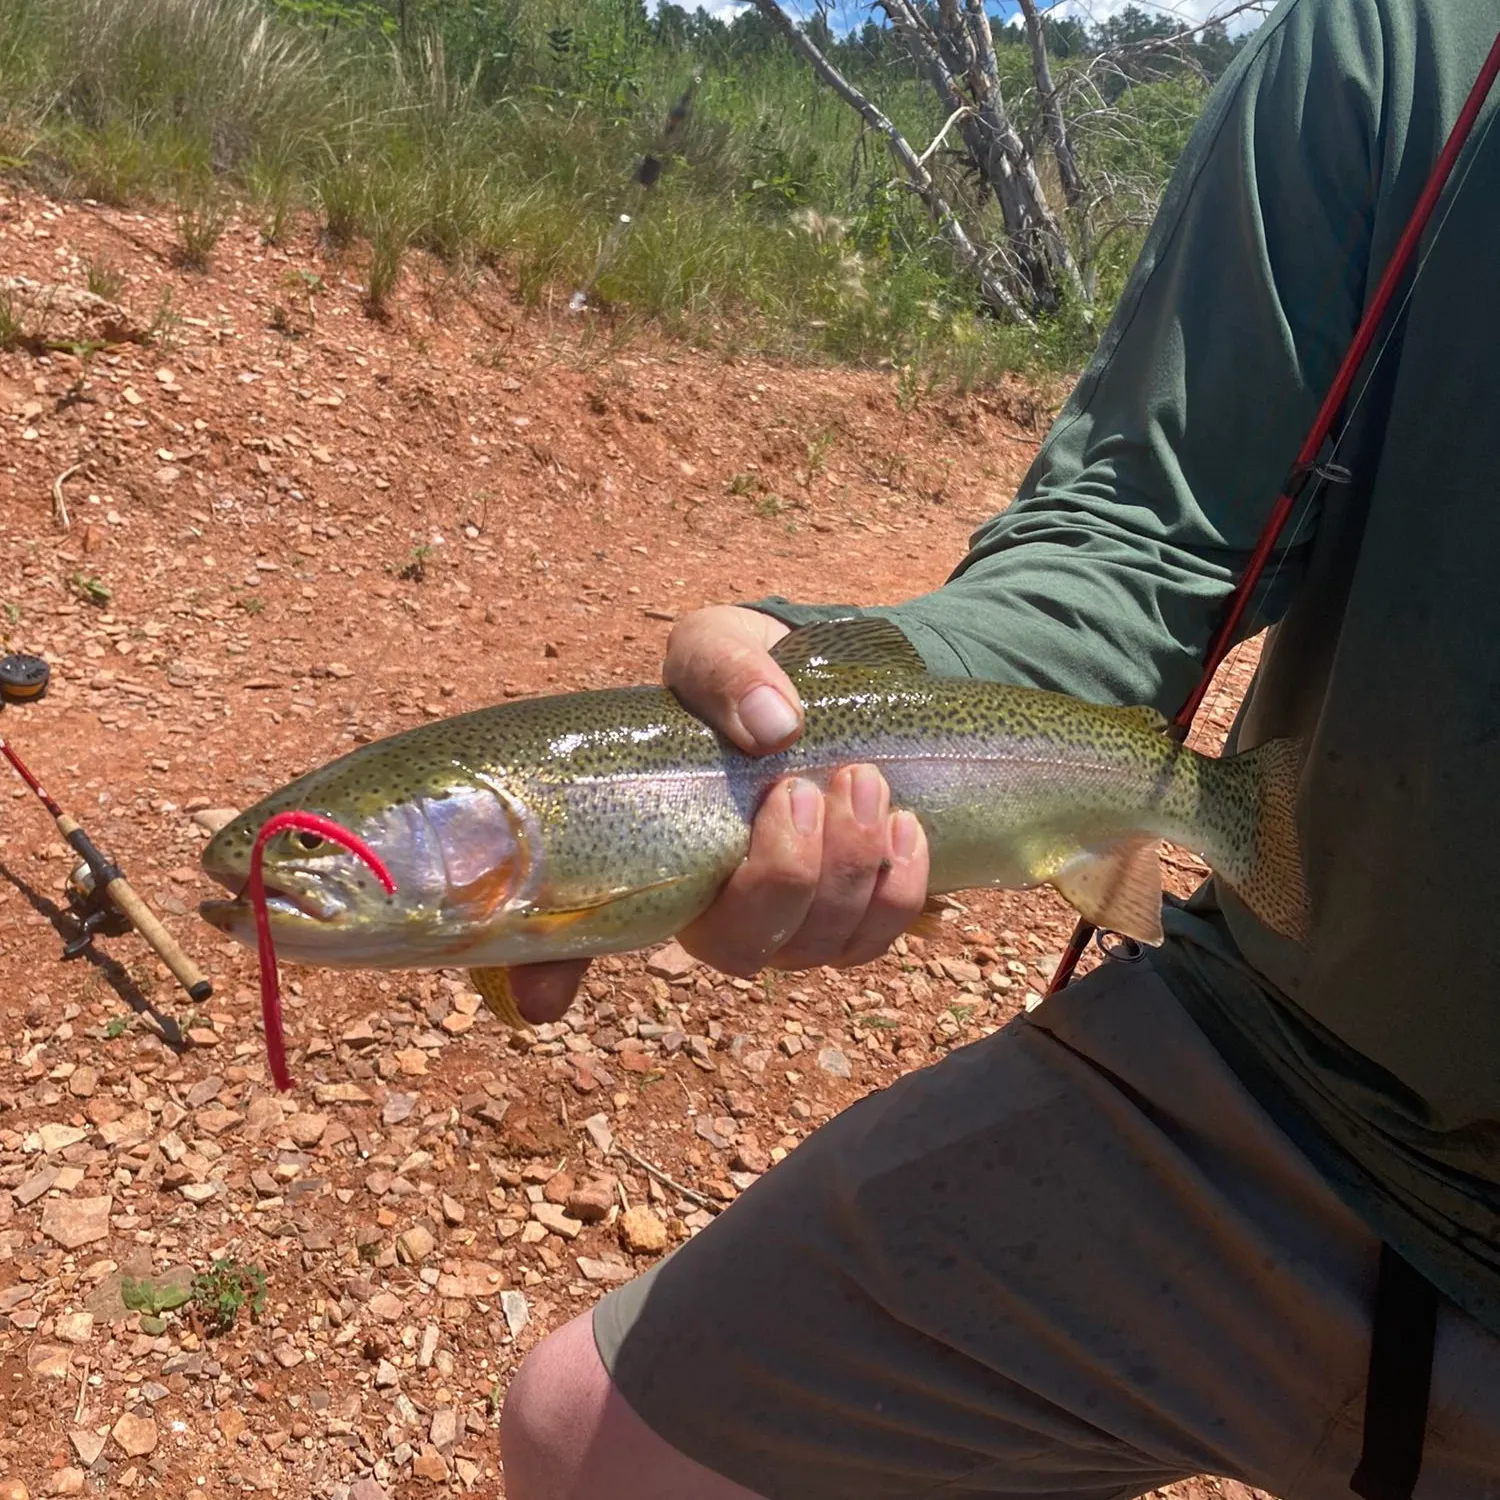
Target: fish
{"points": [[603, 821]]}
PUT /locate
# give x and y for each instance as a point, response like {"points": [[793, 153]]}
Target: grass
{"points": [[510, 140]]}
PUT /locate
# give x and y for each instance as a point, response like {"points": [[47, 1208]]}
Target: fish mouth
{"points": [[281, 905]]}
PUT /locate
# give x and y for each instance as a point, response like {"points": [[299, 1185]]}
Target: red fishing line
{"points": [[270, 984]]}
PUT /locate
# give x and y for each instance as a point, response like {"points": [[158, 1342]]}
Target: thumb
{"points": [[719, 664]]}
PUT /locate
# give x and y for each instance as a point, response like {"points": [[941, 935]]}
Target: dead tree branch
{"points": [[1051, 110], [995, 291]]}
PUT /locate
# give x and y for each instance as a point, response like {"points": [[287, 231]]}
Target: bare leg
{"points": [[567, 1434]]}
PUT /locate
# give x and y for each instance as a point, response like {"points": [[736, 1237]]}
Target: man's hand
{"points": [[830, 878]]}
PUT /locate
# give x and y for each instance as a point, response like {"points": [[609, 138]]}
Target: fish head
{"points": [[462, 850]]}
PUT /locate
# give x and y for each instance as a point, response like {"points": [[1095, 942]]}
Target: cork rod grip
{"points": [[186, 972]]}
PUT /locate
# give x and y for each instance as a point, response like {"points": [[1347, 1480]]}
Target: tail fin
{"points": [[1265, 867]]}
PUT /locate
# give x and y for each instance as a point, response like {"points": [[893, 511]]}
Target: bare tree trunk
{"points": [[1052, 115], [995, 291], [961, 62]]}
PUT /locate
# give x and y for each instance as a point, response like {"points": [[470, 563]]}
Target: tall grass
{"points": [[775, 223]]}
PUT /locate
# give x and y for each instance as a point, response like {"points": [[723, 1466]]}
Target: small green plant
{"points": [[201, 217], [90, 589], [118, 1026], [12, 333], [252, 604], [166, 324], [154, 1297], [105, 279], [227, 1286], [388, 241], [415, 570]]}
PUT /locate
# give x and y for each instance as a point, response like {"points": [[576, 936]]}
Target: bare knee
{"points": [[567, 1434]]}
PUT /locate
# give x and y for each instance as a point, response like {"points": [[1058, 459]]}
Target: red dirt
{"points": [[315, 529]]}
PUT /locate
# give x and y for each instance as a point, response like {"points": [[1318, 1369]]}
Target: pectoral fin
{"points": [[542, 917], [494, 989], [1117, 889]]}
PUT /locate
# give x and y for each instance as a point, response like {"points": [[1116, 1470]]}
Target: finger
{"points": [[542, 992], [767, 897], [719, 664], [854, 844], [899, 896]]}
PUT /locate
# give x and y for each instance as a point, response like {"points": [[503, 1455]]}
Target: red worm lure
{"points": [[270, 984]]}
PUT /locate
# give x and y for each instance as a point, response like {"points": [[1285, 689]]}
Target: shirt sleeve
{"points": [[1108, 573]]}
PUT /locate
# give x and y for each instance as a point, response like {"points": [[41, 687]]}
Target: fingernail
{"points": [[904, 831], [805, 799], [767, 715], [865, 795]]}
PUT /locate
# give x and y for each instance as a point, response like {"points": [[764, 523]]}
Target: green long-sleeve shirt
{"points": [[1377, 1047]]}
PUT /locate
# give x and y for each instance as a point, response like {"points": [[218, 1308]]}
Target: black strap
{"points": [[1400, 1381]]}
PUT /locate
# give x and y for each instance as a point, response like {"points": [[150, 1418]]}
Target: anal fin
{"points": [[1117, 889], [494, 989]]}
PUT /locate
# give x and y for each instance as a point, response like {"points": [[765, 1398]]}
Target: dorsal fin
{"points": [[873, 644]]}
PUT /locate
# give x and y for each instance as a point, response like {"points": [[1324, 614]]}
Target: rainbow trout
{"points": [[604, 821]]}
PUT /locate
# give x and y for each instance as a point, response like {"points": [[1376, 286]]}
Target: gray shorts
{"points": [[1075, 1259]]}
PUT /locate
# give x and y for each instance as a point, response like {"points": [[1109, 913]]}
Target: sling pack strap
{"points": [[1400, 1381]]}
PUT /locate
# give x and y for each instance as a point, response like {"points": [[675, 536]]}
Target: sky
{"points": [[846, 13]]}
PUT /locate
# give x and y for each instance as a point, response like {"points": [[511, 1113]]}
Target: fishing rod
{"points": [[1307, 473], [101, 899]]}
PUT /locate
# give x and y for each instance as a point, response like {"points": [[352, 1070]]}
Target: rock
{"points": [[593, 1200], [474, 1278], [429, 1464], [605, 1270], [560, 1187], [263, 1114], [517, 1313], [205, 1091], [83, 1082], [135, 1435], [68, 1481], [428, 1347], [306, 1130], [77, 1221], [88, 1445], [214, 818], [415, 1244], [961, 971], [397, 1108], [453, 1210], [231, 1423], [341, 1093], [386, 1306], [386, 1375], [13, 1489], [34, 1186], [554, 1218], [750, 1157], [600, 1133], [56, 1138], [75, 1327], [642, 1232], [831, 1060], [198, 1192], [368, 1489], [443, 1433], [671, 962]]}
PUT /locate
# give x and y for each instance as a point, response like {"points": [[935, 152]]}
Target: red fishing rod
{"points": [[1306, 470]]}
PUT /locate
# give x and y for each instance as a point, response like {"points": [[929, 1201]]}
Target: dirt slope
{"points": [[291, 528]]}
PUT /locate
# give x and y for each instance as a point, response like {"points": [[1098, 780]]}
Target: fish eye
{"points": [[308, 843]]}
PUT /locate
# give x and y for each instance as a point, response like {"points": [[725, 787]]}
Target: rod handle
{"points": [[186, 972]]}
